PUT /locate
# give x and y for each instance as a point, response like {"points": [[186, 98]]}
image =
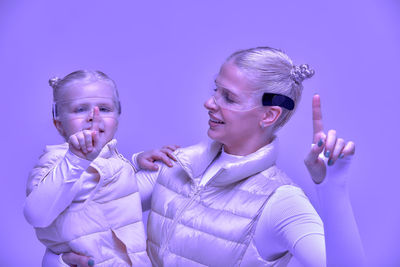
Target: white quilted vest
{"points": [[108, 226], [212, 225]]}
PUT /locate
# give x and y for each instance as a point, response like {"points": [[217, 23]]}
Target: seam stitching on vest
{"points": [[208, 207], [101, 231], [171, 189], [198, 230], [191, 259], [152, 243], [127, 195], [184, 257]]}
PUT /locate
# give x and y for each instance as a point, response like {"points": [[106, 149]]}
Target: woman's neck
{"points": [[246, 148]]}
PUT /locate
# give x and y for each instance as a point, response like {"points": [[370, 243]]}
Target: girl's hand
{"points": [[86, 143], [73, 259], [334, 148], [146, 159]]}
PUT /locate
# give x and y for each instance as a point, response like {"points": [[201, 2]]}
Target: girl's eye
{"points": [[80, 109]]}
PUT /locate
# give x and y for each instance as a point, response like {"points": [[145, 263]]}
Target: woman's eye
{"points": [[105, 109], [228, 99]]}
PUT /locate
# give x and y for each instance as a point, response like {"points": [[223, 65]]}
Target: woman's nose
{"points": [[211, 104]]}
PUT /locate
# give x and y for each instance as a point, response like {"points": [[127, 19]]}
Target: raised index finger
{"points": [[96, 119], [317, 118]]}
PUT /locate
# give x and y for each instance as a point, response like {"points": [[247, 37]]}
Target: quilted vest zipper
{"points": [[194, 194]]}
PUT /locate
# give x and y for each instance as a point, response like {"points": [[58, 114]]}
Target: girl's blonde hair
{"points": [[85, 77]]}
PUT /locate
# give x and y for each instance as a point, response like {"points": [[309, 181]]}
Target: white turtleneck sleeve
{"points": [[290, 223]]}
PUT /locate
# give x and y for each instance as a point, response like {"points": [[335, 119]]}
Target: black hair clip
{"points": [[54, 110], [270, 99]]}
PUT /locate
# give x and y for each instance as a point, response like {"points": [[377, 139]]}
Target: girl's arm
{"points": [[146, 180], [148, 170], [52, 185], [54, 182]]}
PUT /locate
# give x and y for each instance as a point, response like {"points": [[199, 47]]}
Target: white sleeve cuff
{"points": [[77, 161], [134, 161], [61, 262], [51, 259]]}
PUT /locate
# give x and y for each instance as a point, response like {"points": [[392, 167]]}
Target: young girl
{"points": [[82, 196]]}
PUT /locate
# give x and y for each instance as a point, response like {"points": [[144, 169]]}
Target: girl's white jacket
{"points": [[91, 211]]}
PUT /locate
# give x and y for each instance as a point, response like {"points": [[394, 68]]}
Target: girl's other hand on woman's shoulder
{"points": [[146, 160]]}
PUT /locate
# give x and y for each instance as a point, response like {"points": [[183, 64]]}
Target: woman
{"points": [[226, 203]]}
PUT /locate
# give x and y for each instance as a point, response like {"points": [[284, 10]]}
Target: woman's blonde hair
{"points": [[270, 70]]}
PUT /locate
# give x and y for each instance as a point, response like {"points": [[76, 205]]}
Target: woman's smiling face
{"points": [[232, 122]]}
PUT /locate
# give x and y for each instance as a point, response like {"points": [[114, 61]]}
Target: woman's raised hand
{"points": [[334, 148]]}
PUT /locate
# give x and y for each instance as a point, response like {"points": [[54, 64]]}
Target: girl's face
{"points": [[233, 121], [75, 109]]}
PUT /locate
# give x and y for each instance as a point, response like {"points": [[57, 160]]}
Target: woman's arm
{"points": [[343, 242], [290, 223]]}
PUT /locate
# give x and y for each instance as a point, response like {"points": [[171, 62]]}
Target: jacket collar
{"points": [[109, 149], [195, 160]]}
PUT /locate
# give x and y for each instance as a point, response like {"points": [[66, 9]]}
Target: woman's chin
{"points": [[214, 135], [210, 133]]}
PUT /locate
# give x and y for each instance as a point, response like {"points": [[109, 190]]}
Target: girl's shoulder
{"points": [[53, 152]]}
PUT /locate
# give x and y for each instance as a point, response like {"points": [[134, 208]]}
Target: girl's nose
{"points": [[90, 115]]}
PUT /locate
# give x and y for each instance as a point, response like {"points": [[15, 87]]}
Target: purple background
{"points": [[164, 56]]}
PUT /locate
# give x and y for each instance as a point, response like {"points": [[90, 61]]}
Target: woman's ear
{"points": [[270, 116], [59, 127]]}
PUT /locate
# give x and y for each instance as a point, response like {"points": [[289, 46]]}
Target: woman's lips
{"points": [[215, 119], [214, 122]]}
